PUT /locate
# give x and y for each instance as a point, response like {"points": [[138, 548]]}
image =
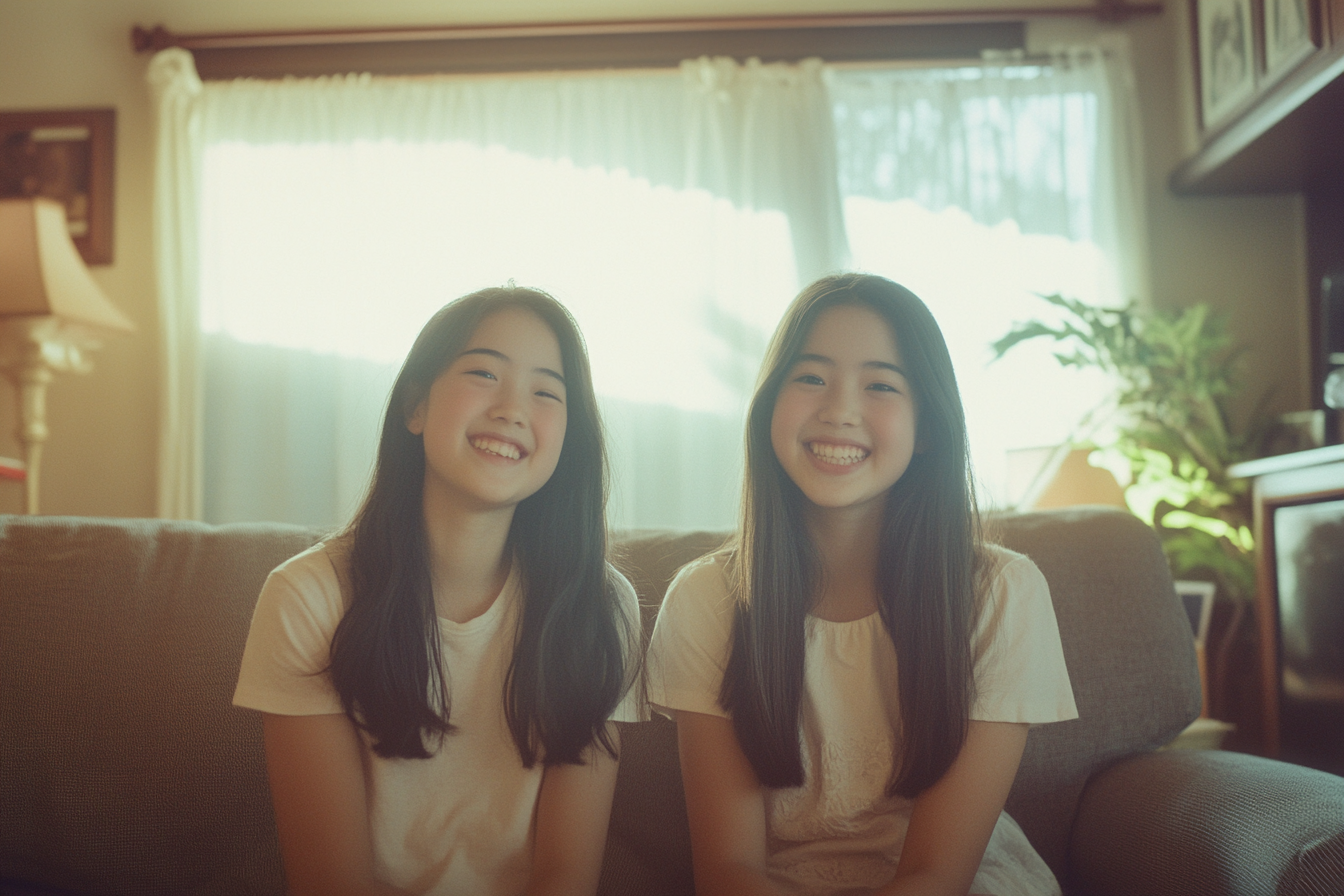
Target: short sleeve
{"points": [[1020, 675], [632, 707], [690, 645], [284, 668]]}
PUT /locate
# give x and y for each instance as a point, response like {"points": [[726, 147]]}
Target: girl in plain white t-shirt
{"points": [[438, 682], [854, 676]]}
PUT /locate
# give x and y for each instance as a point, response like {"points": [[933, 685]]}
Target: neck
{"points": [[467, 561], [847, 545]]}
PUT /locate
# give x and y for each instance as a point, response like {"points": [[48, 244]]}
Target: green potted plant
{"points": [[1173, 374]]}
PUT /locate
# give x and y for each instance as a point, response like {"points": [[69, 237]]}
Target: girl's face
{"points": [[494, 420], [844, 425]]}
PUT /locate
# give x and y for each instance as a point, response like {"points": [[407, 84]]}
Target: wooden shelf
{"points": [[1290, 139]]}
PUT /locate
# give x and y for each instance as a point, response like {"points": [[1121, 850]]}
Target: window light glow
{"points": [[652, 274]]}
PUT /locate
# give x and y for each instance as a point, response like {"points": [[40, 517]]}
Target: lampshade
{"points": [[41, 273]]}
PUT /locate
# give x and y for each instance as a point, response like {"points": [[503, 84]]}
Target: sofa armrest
{"points": [[1209, 822]]}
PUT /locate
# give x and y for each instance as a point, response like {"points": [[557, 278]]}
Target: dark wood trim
{"points": [[625, 51], [652, 43], [159, 37], [1324, 211]]}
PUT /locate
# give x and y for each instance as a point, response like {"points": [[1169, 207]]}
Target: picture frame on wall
{"points": [[1225, 48], [66, 155], [1290, 35]]}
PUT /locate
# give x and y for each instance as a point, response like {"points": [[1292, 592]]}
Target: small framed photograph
{"points": [[1197, 599], [1226, 53], [1290, 35], [64, 155]]}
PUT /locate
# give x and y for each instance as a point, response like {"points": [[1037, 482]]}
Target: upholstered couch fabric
{"points": [[124, 768]]}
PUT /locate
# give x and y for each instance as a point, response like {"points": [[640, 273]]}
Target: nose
{"points": [[510, 405], [840, 406]]}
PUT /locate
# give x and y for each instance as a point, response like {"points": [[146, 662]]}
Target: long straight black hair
{"points": [[928, 557], [569, 667]]}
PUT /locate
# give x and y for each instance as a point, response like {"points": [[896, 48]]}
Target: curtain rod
{"points": [[159, 37]]}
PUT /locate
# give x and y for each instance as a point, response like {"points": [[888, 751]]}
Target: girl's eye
{"points": [[481, 373], [544, 394], [884, 387], [810, 379]]}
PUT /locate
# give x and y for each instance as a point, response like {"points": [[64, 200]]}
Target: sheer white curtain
{"points": [[177, 186], [317, 223], [981, 187], [336, 214]]}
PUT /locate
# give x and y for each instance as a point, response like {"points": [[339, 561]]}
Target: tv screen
{"points": [[1309, 554]]}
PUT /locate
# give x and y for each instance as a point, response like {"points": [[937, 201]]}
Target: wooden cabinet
{"points": [[1299, 535]]}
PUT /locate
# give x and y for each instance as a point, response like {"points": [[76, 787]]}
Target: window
{"points": [[335, 215]]}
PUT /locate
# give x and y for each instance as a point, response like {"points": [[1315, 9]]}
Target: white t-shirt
{"points": [[840, 832], [460, 821]]}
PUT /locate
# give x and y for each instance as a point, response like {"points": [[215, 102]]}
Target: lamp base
{"points": [[32, 350]]}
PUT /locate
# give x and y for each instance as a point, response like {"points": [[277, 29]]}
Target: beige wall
{"points": [[1242, 254]]}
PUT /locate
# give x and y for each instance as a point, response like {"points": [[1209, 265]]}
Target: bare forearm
{"points": [[347, 888], [735, 880], [921, 884], [573, 810]]}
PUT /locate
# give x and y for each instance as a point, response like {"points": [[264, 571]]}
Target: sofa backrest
{"points": [[1130, 653], [124, 768]]}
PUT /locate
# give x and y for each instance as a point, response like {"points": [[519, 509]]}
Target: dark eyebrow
{"points": [[503, 357], [822, 359]]}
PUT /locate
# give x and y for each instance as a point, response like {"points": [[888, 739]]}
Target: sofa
{"points": [[125, 770]]}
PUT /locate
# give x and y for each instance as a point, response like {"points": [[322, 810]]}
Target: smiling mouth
{"points": [[496, 447], [841, 455]]}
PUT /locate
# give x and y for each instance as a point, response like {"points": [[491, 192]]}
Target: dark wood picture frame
{"points": [[1289, 33], [1225, 57], [67, 155]]}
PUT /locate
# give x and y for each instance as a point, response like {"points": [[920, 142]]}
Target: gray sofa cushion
{"points": [[1130, 653], [1233, 824], [123, 766]]}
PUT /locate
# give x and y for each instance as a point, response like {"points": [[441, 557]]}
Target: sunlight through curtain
{"points": [[981, 188], [674, 212]]}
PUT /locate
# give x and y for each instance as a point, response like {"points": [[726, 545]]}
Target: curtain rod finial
{"points": [[151, 39]]}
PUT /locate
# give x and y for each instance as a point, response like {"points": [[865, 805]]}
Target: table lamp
{"points": [[52, 314]]}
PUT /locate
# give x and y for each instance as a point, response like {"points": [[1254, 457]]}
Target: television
{"points": [[1309, 580], [1299, 511]]}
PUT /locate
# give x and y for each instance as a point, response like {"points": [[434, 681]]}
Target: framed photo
{"points": [[65, 155], [1289, 35], [1226, 54], [1197, 599]]}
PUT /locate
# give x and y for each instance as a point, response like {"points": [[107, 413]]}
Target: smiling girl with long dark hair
{"points": [[438, 682], [854, 676]]}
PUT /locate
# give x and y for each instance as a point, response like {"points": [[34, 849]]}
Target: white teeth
{"points": [[494, 446], [838, 454]]}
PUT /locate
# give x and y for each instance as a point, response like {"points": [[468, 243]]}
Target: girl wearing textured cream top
{"points": [[438, 682], [853, 677]]}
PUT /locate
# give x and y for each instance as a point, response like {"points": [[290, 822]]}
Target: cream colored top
{"points": [[840, 832], [460, 821]]}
